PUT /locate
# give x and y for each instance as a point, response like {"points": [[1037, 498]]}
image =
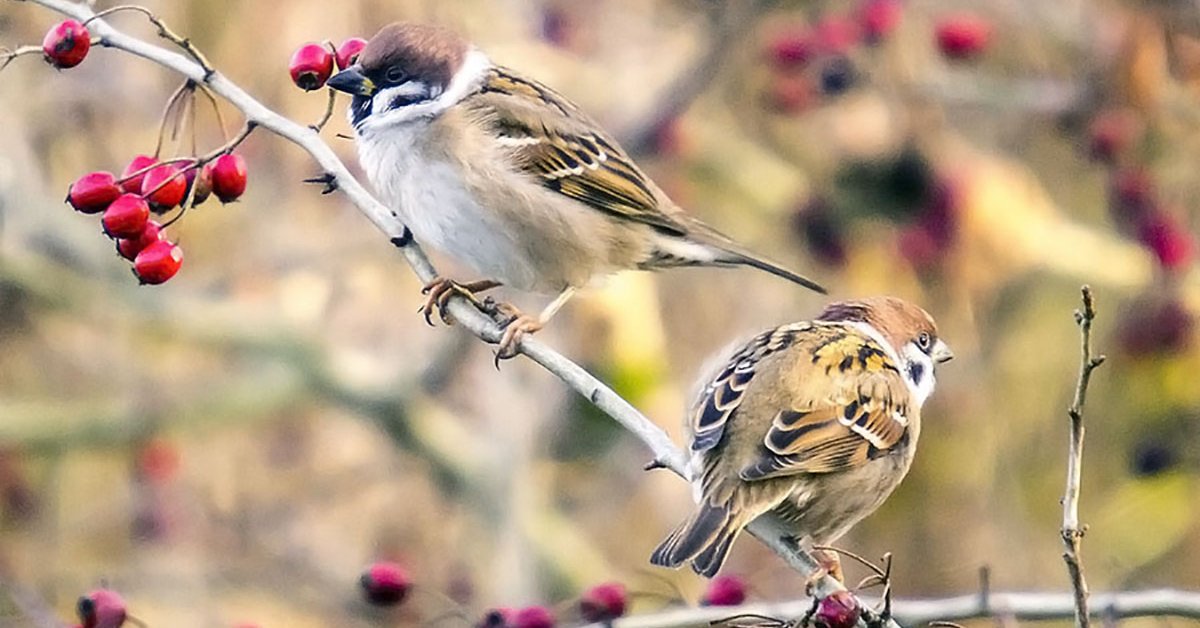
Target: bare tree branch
{"points": [[666, 455], [1017, 606], [1072, 531]]}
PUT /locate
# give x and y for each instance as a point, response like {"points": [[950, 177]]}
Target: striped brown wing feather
{"points": [[722, 396], [864, 415], [559, 145]]}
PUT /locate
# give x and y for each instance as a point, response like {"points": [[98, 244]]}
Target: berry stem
{"points": [[137, 173], [328, 112], [164, 31], [187, 87], [7, 56], [216, 111]]}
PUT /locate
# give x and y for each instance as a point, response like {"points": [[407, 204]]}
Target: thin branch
{"points": [[1072, 531], [920, 612]]}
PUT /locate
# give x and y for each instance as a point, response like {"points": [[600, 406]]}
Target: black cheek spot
{"points": [[916, 372], [360, 108]]}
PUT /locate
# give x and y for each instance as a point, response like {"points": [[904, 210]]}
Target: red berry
{"points": [[725, 591], [133, 185], [1156, 326], [385, 584], [130, 247], [792, 48], [836, 35], [878, 18], [839, 609], [202, 179], [311, 66], [126, 217], [102, 608], [66, 45], [164, 187], [790, 95], [963, 36], [229, 177], [603, 602], [157, 460], [1168, 240], [158, 262], [1111, 133], [93, 192], [919, 247], [347, 53], [534, 617]]}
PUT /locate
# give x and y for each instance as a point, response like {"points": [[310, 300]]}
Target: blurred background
{"points": [[235, 445]]}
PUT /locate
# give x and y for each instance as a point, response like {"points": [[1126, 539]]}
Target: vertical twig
{"points": [[1072, 531]]}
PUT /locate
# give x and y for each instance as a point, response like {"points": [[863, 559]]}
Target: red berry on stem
{"points": [[164, 187], [963, 36], [385, 583], [791, 48], [348, 52], [534, 617], [130, 247], [603, 602], [126, 217], [725, 591], [791, 95], [66, 45], [836, 35], [839, 609], [93, 192], [878, 18], [158, 262], [1171, 244], [1111, 133], [229, 177], [133, 184], [311, 66], [102, 608]]}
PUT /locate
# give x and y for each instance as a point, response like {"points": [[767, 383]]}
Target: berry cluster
{"points": [[148, 186], [810, 62], [312, 64]]}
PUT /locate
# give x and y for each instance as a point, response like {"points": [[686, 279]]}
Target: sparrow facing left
{"points": [[506, 175], [814, 421]]}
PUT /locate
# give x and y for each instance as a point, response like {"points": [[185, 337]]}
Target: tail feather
{"points": [[704, 539], [744, 259]]}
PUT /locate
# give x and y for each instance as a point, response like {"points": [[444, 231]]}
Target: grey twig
{"points": [[1072, 531], [921, 612]]}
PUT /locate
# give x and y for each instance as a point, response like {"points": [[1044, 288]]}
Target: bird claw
{"points": [[328, 180], [517, 325], [439, 292]]}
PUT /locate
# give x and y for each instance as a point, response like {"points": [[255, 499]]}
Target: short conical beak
{"points": [[352, 81], [942, 353]]}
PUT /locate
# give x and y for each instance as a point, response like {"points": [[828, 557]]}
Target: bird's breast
{"points": [[428, 193]]}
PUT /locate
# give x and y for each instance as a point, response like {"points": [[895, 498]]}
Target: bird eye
{"points": [[395, 74], [925, 341]]}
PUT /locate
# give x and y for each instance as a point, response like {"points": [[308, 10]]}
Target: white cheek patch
{"points": [[404, 95], [918, 372]]}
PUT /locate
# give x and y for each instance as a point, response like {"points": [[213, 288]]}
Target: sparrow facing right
{"points": [[508, 176], [814, 421]]}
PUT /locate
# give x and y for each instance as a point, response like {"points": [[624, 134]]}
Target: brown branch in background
{"points": [[1072, 531]]}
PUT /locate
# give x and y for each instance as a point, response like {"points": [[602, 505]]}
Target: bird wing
{"points": [[859, 414], [566, 151], [852, 403]]}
